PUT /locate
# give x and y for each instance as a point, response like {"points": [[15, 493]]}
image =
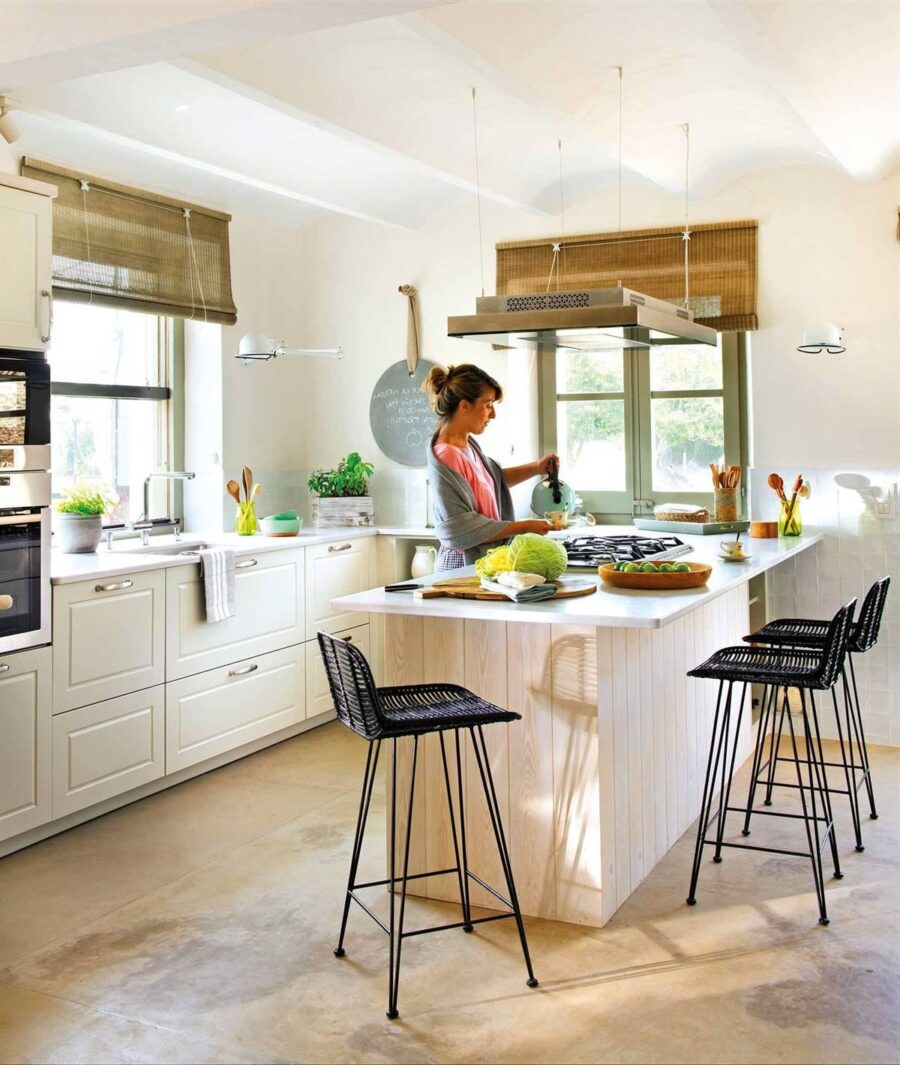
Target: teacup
{"points": [[732, 548], [559, 519]]}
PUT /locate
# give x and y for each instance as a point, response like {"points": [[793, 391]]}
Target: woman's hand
{"points": [[542, 466], [537, 525]]}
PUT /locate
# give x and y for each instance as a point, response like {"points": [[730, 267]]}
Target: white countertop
{"points": [[127, 555], [608, 606]]}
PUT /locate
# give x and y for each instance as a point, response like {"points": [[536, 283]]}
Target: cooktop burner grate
{"points": [[593, 551]]}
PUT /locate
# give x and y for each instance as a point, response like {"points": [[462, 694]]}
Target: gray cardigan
{"points": [[459, 524]]}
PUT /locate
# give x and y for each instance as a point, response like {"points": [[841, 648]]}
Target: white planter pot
{"points": [[343, 511], [77, 533]]}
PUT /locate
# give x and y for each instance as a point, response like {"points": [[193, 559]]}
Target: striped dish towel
{"points": [[217, 567]]}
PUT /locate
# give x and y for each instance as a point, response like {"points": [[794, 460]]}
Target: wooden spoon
{"points": [[798, 483], [777, 485], [257, 488], [234, 491], [714, 470], [247, 475]]}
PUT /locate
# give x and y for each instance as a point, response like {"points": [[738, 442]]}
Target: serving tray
{"points": [[656, 582], [692, 528]]}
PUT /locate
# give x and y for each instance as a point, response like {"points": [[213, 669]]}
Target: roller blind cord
{"points": [[686, 235], [556, 261], [85, 188], [187, 226]]}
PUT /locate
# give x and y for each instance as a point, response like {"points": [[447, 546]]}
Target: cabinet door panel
{"points": [[109, 638], [269, 614], [214, 712], [25, 237], [332, 570], [318, 694], [24, 741], [104, 750]]}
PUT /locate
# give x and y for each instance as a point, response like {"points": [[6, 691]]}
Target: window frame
{"points": [[169, 397], [639, 498]]}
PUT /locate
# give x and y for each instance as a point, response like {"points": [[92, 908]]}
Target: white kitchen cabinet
{"points": [[104, 750], [332, 570], [108, 638], [214, 712], [318, 694], [269, 614], [26, 226], [25, 680]]}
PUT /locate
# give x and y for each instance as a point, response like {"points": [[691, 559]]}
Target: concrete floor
{"points": [[198, 926]]}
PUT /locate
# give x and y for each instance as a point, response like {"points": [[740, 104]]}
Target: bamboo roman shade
{"points": [[122, 246], [721, 257]]}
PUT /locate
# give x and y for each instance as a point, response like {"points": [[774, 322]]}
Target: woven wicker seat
{"points": [[778, 669], [854, 756], [408, 712]]}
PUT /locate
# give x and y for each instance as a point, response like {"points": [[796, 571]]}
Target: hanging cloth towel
{"points": [[217, 567], [412, 328]]}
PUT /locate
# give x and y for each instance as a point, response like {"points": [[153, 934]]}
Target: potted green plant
{"points": [[80, 512], [342, 493]]}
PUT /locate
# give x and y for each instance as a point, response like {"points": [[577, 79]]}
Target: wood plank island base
{"points": [[605, 770]]}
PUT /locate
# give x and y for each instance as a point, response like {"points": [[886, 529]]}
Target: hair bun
{"points": [[435, 382]]}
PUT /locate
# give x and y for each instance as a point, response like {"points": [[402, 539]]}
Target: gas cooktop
{"points": [[593, 551]]}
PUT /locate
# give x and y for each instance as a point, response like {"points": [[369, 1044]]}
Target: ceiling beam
{"points": [[132, 34], [416, 166]]}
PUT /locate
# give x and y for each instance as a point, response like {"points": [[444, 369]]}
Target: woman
{"points": [[472, 503]]}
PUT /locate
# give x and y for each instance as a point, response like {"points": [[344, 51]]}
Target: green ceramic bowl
{"points": [[288, 523]]}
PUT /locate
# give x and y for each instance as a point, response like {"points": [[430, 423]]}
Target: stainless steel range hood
{"points": [[585, 320]]}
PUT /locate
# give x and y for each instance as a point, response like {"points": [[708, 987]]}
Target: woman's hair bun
{"points": [[447, 388]]}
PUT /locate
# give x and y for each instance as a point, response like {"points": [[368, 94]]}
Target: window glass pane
{"points": [[685, 366], [104, 346], [591, 440], [589, 371], [109, 442], [688, 434]]}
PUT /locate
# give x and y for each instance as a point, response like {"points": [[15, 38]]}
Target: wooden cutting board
{"points": [[470, 588]]}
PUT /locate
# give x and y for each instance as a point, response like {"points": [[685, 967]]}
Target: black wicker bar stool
{"points": [[810, 634], [779, 669], [389, 714]]}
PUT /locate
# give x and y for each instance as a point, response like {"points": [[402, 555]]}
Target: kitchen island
{"points": [[605, 770]]}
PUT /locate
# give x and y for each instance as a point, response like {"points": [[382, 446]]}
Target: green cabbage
{"points": [[494, 562], [530, 553]]}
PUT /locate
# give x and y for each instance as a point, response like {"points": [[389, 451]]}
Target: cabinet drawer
{"points": [[269, 614], [24, 741], [225, 708], [332, 570], [108, 638], [104, 750], [318, 694]]}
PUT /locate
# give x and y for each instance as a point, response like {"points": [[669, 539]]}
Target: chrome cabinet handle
{"points": [[248, 564], [344, 547], [243, 672], [113, 587], [5, 668], [48, 294], [7, 602]]}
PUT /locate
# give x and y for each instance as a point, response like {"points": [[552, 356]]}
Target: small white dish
{"points": [[734, 558]]}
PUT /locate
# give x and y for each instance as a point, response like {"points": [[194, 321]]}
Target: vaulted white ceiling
{"points": [[364, 107]]}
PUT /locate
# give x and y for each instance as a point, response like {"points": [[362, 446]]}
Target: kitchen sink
{"points": [[185, 547]]}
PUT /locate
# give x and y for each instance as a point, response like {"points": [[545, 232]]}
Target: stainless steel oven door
{"points": [[24, 579]]}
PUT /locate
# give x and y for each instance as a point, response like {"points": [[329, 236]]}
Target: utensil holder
{"points": [[793, 525], [245, 523], [726, 504]]}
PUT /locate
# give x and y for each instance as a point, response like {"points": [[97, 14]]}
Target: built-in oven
{"points": [[24, 501], [24, 411]]}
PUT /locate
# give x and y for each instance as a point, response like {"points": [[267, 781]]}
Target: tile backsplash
{"points": [[859, 547]]}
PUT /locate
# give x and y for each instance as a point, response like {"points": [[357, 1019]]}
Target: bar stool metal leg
{"points": [[460, 874], [861, 740], [849, 769], [728, 776], [767, 702], [364, 801], [775, 747], [487, 781], [396, 936], [821, 777], [709, 786]]}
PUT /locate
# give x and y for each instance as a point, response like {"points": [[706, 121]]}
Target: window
{"points": [[639, 424], [112, 374]]}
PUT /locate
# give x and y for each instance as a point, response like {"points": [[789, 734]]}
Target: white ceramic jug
{"points": [[423, 560]]}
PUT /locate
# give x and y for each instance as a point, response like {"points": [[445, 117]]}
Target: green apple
{"points": [[632, 567], [648, 567], [666, 567], [681, 567]]}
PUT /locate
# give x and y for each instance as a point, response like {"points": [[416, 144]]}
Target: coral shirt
{"points": [[466, 462]]}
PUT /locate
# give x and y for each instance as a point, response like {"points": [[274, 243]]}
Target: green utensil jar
{"points": [[245, 523], [789, 521]]}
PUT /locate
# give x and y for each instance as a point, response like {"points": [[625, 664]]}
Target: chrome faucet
{"points": [[144, 522]]}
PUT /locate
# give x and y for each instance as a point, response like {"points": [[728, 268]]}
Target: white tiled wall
{"points": [[858, 549]]}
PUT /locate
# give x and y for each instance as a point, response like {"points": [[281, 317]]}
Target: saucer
{"points": [[734, 558]]}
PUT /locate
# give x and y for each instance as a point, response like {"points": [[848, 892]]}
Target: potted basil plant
{"points": [[80, 517], [343, 493]]}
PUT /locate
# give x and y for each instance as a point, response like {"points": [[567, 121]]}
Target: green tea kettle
{"points": [[550, 493]]}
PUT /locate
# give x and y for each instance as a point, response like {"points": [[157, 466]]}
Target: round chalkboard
{"points": [[401, 419]]}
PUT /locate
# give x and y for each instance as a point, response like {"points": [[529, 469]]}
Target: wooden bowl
{"points": [[657, 582], [763, 530]]}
